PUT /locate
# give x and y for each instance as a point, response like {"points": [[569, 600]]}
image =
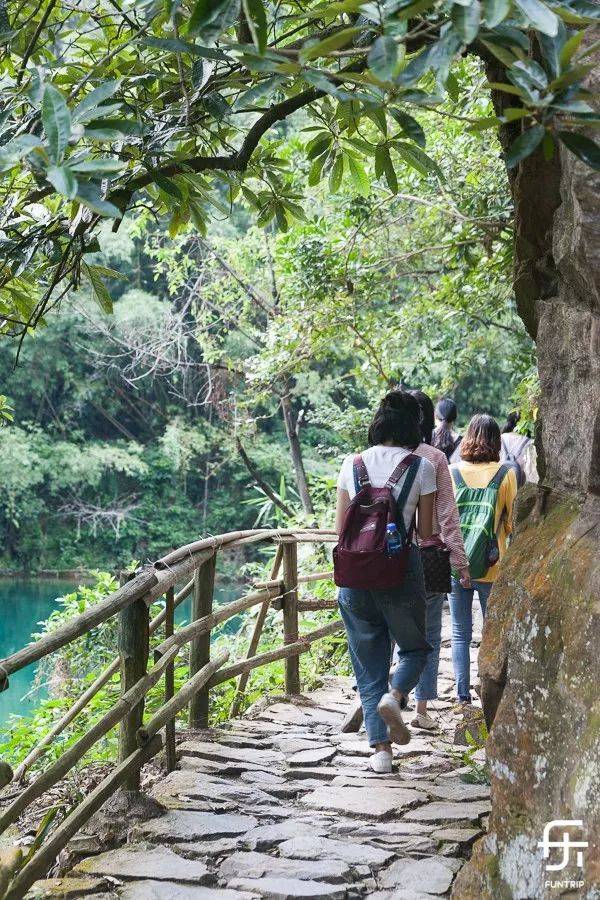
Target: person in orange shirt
{"points": [[480, 468]]}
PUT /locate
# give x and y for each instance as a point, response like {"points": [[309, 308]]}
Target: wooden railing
{"points": [[139, 741]]}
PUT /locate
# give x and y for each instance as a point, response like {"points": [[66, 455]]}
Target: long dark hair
{"points": [[427, 417], [481, 442], [398, 419], [446, 412]]}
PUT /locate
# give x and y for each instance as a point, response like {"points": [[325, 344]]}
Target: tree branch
{"points": [[260, 481]]}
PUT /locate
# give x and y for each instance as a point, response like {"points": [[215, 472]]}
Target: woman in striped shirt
{"points": [[446, 526]]}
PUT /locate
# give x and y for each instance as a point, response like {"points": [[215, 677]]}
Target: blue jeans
{"points": [[426, 689], [461, 611], [370, 616]]}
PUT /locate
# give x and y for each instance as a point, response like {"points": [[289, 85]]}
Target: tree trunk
{"points": [[296, 451], [539, 662]]}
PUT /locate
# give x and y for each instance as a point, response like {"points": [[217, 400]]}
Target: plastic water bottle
{"points": [[394, 544]]}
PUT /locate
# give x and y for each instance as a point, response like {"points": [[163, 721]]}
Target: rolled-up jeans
{"points": [[370, 616], [426, 689], [461, 611]]}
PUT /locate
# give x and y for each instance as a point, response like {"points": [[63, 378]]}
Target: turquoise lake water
{"points": [[24, 602]]}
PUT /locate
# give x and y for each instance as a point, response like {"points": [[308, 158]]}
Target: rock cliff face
{"points": [[540, 656]]}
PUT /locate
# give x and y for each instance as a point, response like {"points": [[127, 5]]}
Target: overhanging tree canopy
{"points": [[173, 105]]}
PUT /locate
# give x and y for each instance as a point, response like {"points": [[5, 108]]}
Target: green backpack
{"points": [[477, 511]]}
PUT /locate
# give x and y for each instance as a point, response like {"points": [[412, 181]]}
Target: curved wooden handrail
{"points": [[146, 586]]}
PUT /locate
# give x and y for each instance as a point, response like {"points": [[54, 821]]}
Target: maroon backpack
{"points": [[361, 558]]}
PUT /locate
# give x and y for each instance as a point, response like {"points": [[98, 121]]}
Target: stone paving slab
{"points": [[259, 865], [192, 826], [281, 804], [171, 890], [290, 888], [377, 802]]}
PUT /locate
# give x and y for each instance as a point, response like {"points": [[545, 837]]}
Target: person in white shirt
{"points": [[370, 616]]}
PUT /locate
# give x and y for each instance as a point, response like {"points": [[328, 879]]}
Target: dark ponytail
{"points": [[427, 417], [446, 412], [511, 422], [398, 419]]}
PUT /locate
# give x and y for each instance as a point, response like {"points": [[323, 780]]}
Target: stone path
{"points": [[282, 805]]}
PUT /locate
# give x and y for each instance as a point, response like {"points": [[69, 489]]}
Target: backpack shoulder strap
{"points": [[457, 478], [496, 481], [361, 476], [400, 469], [411, 473]]}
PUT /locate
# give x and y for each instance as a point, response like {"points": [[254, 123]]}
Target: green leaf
{"points": [[62, 180], [333, 42], [524, 145], [409, 126], [314, 174], [336, 174], [453, 87], [505, 88], [248, 98], [539, 16], [168, 186], [212, 17], [571, 76], [512, 113], [383, 57], [318, 145], [381, 151], [548, 146], [418, 159], [256, 18], [56, 119], [506, 56], [484, 123], [466, 20], [99, 289], [178, 46], [359, 177], [95, 98], [495, 11], [570, 47], [100, 164], [534, 72], [583, 147], [111, 129], [390, 174], [89, 194]]}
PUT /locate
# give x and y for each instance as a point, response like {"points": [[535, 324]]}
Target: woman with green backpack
{"points": [[485, 491]]}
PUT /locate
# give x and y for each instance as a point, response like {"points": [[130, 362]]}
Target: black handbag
{"points": [[435, 559]]}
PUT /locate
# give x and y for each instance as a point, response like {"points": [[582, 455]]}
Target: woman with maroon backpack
{"points": [[377, 566]]}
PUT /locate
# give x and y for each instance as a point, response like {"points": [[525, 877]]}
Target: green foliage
{"points": [[176, 108], [478, 773]]}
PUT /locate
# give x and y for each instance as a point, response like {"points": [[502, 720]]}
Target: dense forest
{"points": [[218, 381]]}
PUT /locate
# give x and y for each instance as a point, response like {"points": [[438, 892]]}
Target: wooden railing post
{"points": [[134, 637], [290, 613], [202, 603], [254, 640], [170, 757]]}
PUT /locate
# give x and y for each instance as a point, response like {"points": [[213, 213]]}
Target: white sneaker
{"points": [[389, 710], [425, 722], [381, 762]]}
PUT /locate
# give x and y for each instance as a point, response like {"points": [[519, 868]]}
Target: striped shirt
{"points": [[446, 523]]}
